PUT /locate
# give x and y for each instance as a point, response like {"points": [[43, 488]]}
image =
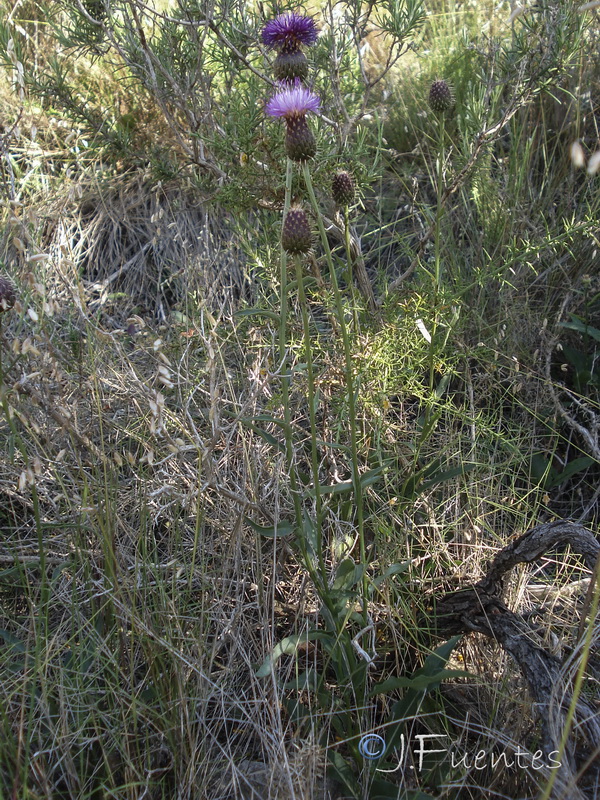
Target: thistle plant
{"points": [[289, 33], [441, 102], [293, 102], [347, 702]]}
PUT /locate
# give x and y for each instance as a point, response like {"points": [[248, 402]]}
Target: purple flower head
{"points": [[293, 101], [290, 31]]}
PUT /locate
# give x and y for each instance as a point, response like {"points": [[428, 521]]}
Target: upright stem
{"points": [[350, 385], [439, 209], [318, 577], [313, 421], [283, 359], [349, 275], [437, 247], [283, 287]]}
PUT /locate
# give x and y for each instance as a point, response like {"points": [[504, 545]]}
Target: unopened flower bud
{"points": [[7, 294], [441, 97], [288, 66], [296, 235], [342, 188], [300, 143]]}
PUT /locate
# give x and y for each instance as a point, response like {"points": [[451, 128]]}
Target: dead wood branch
{"points": [[481, 608]]}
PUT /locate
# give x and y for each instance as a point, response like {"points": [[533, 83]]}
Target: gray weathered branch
{"points": [[481, 608]]}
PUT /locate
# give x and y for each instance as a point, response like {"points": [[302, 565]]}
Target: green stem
{"points": [[283, 359], [350, 276], [350, 385], [318, 577], [283, 303], [313, 421], [440, 208], [437, 254]]}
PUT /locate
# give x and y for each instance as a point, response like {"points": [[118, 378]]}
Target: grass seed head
{"points": [[577, 155], [8, 294], [594, 163]]}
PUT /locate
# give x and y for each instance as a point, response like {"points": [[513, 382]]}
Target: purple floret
{"points": [[290, 31], [293, 101]]}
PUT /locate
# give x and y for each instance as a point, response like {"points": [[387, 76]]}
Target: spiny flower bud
{"points": [[441, 97], [288, 66], [300, 143], [296, 235], [7, 294], [342, 188]]}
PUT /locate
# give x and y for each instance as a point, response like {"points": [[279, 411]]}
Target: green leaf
{"points": [[572, 468], [334, 488], [540, 469], [447, 475], [267, 418], [418, 682], [268, 437], [347, 575], [282, 528], [258, 312], [442, 385], [368, 478], [381, 790], [436, 660], [16, 572], [428, 426], [287, 647], [342, 773], [309, 532], [413, 698], [308, 280], [11, 640], [371, 476], [580, 326], [393, 569]]}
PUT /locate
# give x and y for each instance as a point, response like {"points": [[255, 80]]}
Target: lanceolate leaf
{"points": [[282, 528], [287, 647]]}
